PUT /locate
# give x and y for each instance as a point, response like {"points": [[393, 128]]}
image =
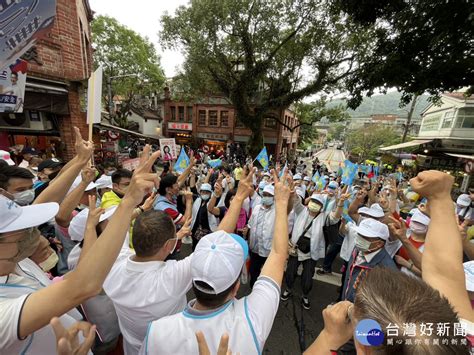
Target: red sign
{"points": [[180, 126]]}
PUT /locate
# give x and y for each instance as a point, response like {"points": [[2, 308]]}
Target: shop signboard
{"points": [[168, 149], [131, 164], [180, 126], [213, 136], [12, 86]]}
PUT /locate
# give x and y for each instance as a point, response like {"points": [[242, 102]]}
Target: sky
{"points": [[143, 16]]}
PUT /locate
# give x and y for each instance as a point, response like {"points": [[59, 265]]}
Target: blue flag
{"points": [[349, 172], [182, 163], [365, 169], [345, 212], [285, 168], [215, 163], [319, 181], [316, 177], [262, 158]]}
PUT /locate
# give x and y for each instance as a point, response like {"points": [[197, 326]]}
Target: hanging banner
{"points": [[94, 97], [168, 149], [21, 24], [12, 87]]}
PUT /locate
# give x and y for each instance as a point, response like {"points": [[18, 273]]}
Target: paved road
{"points": [[331, 157]]}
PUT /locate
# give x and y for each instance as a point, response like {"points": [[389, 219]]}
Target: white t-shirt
{"points": [[176, 334], [145, 291], [14, 290]]}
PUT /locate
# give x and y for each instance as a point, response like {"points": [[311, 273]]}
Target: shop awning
{"points": [[104, 125], [46, 88], [462, 156], [406, 144]]}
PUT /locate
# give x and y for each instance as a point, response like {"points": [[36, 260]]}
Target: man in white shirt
{"points": [[142, 286], [215, 267]]}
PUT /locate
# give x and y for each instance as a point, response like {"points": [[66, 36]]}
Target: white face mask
{"points": [[362, 244], [267, 200], [314, 207], [205, 197], [24, 198], [49, 263], [418, 228]]}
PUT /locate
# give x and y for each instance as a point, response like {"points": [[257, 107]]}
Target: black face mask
{"points": [[119, 194], [53, 175]]}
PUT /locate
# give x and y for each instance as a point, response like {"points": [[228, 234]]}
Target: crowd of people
{"points": [[93, 262]]}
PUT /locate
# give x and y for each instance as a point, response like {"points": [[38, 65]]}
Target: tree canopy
{"points": [[122, 51], [265, 55], [365, 141], [419, 46]]}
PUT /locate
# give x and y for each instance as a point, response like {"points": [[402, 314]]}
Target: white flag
{"points": [[94, 96]]}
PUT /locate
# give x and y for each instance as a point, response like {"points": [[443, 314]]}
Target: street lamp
{"points": [[109, 89]]}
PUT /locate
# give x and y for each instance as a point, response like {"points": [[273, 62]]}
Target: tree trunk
{"points": [[255, 142], [410, 114]]}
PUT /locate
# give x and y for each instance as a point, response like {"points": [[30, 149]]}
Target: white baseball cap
{"points": [[326, 177], [4, 155], [307, 178], [463, 200], [333, 185], [371, 228], [332, 175], [104, 182], [218, 261], [206, 187], [269, 189], [319, 198], [420, 217], [77, 227], [266, 173], [469, 272], [297, 177], [374, 211], [301, 191], [16, 218], [76, 183]]}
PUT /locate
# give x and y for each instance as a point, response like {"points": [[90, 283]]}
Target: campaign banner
{"points": [[94, 96], [168, 149], [12, 87], [21, 24]]}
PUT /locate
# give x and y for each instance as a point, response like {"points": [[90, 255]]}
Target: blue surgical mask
{"points": [[267, 200]]}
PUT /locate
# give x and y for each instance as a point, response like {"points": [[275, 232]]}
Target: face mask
{"points": [[49, 263], [418, 228], [26, 246], [110, 173], [205, 197], [314, 207], [267, 200], [24, 198], [362, 244]]}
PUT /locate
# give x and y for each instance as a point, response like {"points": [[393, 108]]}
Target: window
{"points": [[270, 123], [448, 119], [202, 118], [224, 118], [190, 113], [465, 118], [181, 113], [173, 113], [213, 119]]}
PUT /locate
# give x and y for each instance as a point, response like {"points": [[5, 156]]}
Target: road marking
{"points": [[333, 279]]}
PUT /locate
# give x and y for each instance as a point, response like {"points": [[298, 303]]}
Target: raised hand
{"points": [[245, 185], [143, 180], [401, 262], [188, 196], [149, 202], [432, 184], [67, 339], [204, 348], [397, 228], [185, 229], [338, 328], [282, 191], [84, 149], [88, 175], [94, 213], [218, 189]]}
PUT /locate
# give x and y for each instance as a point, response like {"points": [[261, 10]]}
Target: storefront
{"points": [[181, 132], [213, 142], [38, 126]]}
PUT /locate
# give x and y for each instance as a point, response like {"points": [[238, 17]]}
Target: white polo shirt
{"points": [[14, 290], [247, 320], [144, 292]]}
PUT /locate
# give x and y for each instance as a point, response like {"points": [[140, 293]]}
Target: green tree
{"points": [[336, 132], [256, 53], [365, 142], [121, 52], [310, 113], [419, 46]]}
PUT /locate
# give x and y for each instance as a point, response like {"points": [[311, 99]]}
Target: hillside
{"points": [[384, 104]]}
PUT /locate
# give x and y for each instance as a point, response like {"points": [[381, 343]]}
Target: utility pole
{"points": [[410, 114]]}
